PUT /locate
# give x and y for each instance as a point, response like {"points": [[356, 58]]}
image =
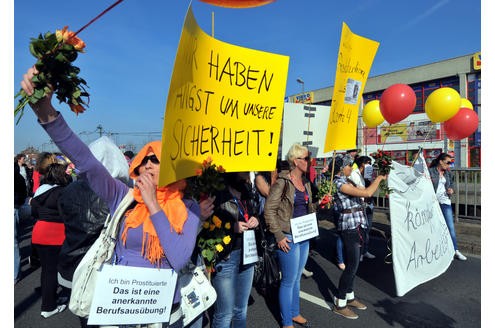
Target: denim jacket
{"points": [[435, 177]]}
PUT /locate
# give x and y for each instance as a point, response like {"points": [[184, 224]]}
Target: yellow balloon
{"points": [[442, 104], [465, 103], [372, 116]]}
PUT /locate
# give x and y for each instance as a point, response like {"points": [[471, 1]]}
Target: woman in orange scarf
{"points": [[159, 228]]}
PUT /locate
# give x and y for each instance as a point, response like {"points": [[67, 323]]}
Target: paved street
{"points": [[451, 300]]}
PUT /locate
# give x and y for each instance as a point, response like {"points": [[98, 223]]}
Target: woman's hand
{"points": [[253, 222], [43, 108], [240, 227], [206, 207], [145, 183], [284, 245]]}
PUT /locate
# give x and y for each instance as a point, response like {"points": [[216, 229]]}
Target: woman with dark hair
{"points": [[444, 188], [49, 234], [351, 225], [232, 279]]}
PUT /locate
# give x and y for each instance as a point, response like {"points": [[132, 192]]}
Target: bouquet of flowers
{"points": [[325, 188], [55, 53], [208, 179], [383, 163], [214, 240]]}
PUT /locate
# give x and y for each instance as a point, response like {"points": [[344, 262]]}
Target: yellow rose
{"points": [[226, 240], [227, 225], [206, 225], [217, 222], [219, 247]]}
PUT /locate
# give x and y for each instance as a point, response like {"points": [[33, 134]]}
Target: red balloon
{"points": [[397, 102], [238, 3], [462, 124]]}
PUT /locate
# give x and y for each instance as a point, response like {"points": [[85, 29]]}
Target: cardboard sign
{"points": [[355, 57], [304, 227], [249, 250], [132, 295], [225, 102]]}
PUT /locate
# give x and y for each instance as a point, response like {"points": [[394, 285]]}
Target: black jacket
{"points": [[20, 191], [84, 214], [45, 206]]}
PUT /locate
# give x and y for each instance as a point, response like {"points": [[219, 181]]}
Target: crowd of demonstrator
{"points": [[71, 193]]}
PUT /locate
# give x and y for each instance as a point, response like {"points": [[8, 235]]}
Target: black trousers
{"points": [[48, 256], [352, 240]]}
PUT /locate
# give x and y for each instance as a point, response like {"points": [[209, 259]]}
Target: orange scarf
{"points": [[170, 200]]}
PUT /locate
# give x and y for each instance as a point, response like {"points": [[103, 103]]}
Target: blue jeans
{"points": [[291, 265], [449, 219], [352, 245], [340, 250], [17, 256], [232, 282]]}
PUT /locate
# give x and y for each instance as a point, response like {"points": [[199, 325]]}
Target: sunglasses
{"points": [[307, 158], [151, 158], [448, 162]]}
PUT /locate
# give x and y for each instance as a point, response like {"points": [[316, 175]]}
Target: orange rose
{"points": [[70, 37], [77, 108]]}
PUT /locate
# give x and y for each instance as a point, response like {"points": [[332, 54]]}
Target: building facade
{"points": [[403, 138]]}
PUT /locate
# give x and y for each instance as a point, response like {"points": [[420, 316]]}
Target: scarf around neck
{"points": [[170, 200]]}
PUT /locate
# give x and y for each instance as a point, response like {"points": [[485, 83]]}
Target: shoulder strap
{"points": [[284, 192], [112, 222]]}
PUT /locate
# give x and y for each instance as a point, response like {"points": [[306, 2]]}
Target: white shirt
{"points": [[442, 196]]}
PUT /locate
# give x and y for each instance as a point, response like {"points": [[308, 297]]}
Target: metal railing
{"points": [[466, 200]]}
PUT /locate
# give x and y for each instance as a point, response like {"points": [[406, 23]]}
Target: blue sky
{"points": [[131, 50]]}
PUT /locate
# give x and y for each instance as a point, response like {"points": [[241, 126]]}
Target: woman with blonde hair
{"points": [[290, 197]]}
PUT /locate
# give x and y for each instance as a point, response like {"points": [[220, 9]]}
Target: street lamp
{"points": [[299, 80]]}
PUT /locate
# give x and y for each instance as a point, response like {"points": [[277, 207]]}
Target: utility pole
{"points": [[100, 129]]}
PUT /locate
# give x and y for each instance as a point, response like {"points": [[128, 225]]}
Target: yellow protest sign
{"points": [[356, 55], [225, 102]]}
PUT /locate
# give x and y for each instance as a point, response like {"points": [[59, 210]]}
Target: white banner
{"points": [[132, 295], [422, 247], [304, 227], [307, 125]]}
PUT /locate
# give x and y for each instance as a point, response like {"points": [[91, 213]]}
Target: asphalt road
{"points": [[451, 300]]}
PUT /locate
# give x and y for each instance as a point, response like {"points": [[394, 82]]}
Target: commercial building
{"points": [[402, 139]]}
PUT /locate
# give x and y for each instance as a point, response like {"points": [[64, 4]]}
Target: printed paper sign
{"points": [[422, 246], [355, 57], [132, 295], [304, 227], [224, 102], [249, 251], [307, 125]]}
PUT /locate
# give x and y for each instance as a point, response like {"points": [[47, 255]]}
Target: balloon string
{"points": [[97, 17]]}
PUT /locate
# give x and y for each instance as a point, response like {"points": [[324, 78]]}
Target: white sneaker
{"points": [[58, 309], [361, 259], [307, 273], [368, 255], [458, 255]]}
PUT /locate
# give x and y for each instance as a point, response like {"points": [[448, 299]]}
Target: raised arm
{"points": [[349, 189]]}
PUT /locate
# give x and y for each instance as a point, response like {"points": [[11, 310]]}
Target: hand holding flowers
{"points": [[55, 54], [213, 240], [383, 163]]}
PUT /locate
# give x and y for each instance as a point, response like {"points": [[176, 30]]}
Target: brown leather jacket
{"points": [[278, 210]]}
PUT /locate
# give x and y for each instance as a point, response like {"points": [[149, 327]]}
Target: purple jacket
{"points": [[177, 247]]}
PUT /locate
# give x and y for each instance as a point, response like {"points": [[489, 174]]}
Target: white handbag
{"points": [[85, 276], [197, 293]]}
